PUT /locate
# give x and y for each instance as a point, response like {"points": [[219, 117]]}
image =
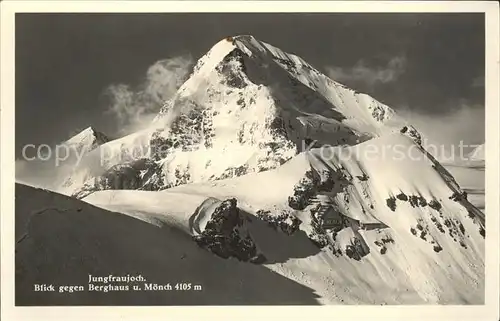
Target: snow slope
{"points": [[420, 253], [60, 240]]}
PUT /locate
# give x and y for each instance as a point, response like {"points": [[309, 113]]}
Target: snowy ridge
{"points": [[88, 139]]}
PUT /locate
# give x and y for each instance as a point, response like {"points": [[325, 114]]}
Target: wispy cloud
{"points": [[135, 108], [369, 75]]}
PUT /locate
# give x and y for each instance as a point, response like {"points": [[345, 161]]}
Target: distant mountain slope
{"points": [[55, 169], [87, 140]]}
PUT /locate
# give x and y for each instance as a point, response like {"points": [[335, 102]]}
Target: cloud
{"points": [[133, 108], [465, 123], [369, 75]]}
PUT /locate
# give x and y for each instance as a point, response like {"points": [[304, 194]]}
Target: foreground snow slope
{"points": [[61, 240], [421, 247]]}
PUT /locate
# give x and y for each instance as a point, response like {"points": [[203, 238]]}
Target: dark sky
{"points": [[426, 63]]}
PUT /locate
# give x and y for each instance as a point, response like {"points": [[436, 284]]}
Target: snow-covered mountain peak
{"points": [[247, 107], [87, 139], [293, 83]]}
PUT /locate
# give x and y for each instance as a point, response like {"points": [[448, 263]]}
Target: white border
{"points": [[490, 311]]}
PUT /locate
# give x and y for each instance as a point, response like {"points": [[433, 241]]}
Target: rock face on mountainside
{"points": [[225, 235], [142, 174]]}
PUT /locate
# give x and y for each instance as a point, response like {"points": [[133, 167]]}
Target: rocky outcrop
{"points": [[226, 236], [141, 174], [285, 222], [413, 133]]}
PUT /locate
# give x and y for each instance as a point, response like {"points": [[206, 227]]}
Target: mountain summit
{"points": [[247, 107]]}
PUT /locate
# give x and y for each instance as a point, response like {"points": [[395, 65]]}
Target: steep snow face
{"points": [[375, 227], [358, 111]]}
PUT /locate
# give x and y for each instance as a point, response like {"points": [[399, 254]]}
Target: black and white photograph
{"points": [[251, 159]]}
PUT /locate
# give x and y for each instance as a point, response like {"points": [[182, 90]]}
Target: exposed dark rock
{"points": [[142, 174], [402, 196], [318, 235], [413, 133], [303, 191], [233, 68], [355, 250], [241, 102], [233, 172], [378, 113], [458, 196], [461, 227], [435, 205], [414, 200], [422, 201], [222, 235], [391, 203], [285, 222], [382, 243], [437, 248]]}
